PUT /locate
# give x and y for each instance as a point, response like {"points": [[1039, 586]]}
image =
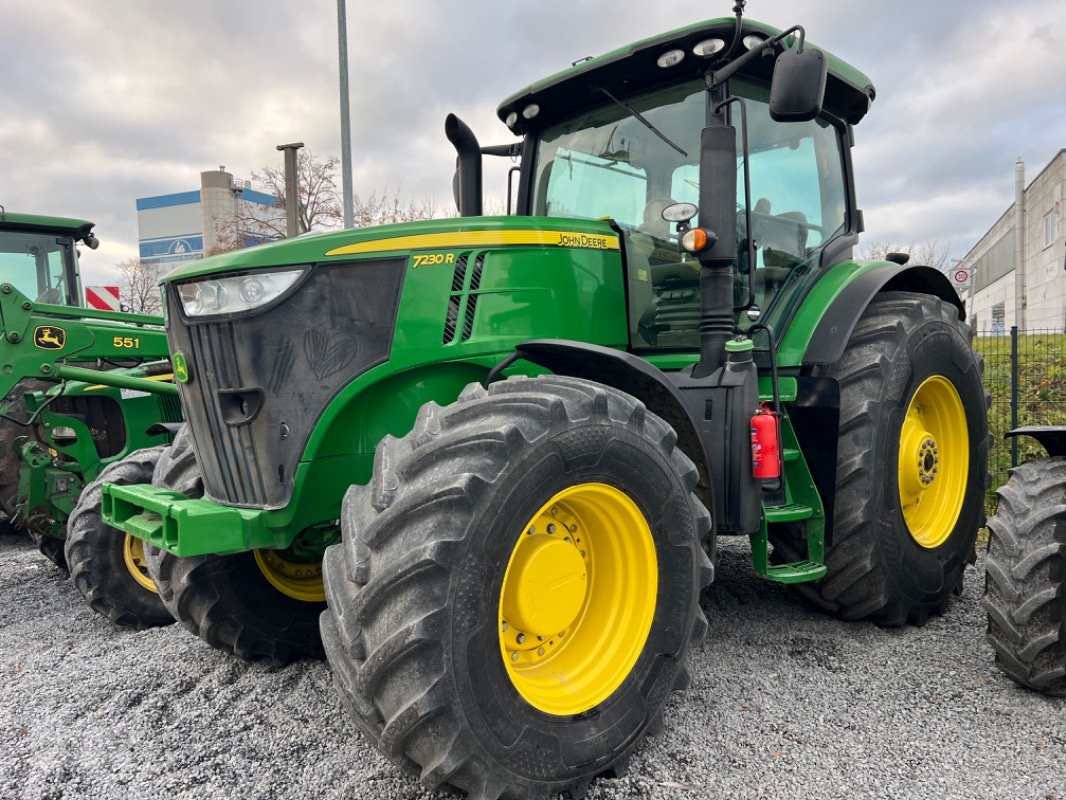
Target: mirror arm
{"points": [[720, 76], [747, 195]]}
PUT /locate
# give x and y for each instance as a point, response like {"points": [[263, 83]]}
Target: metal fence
{"points": [[1025, 374]]}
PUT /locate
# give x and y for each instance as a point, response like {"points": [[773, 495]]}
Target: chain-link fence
{"points": [[1025, 374]]}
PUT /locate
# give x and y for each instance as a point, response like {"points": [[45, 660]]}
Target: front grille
{"points": [[169, 408], [258, 383], [235, 473]]}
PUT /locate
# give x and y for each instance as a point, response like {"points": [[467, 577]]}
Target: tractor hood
{"points": [[633, 69], [401, 239]]}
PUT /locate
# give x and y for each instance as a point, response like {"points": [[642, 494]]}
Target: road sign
{"points": [[106, 298], [962, 276]]}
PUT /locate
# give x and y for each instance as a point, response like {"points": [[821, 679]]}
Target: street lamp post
{"points": [[346, 120]]}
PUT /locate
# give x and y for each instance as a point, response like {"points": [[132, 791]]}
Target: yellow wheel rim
{"points": [[133, 555], [578, 599], [934, 461], [300, 580]]}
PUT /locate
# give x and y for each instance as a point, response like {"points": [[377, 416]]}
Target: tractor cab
{"points": [[620, 137], [608, 163], [38, 256]]}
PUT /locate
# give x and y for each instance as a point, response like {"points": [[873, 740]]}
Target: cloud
{"points": [[111, 100]]}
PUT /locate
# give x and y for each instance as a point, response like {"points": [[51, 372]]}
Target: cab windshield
{"points": [[607, 163], [39, 266]]}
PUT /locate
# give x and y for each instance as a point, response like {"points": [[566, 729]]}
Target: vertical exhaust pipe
{"points": [[467, 182]]}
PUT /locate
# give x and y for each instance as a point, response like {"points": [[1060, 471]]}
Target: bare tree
{"points": [[319, 201], [384, 208], [139, 285], [927, 252], [319, 206]]}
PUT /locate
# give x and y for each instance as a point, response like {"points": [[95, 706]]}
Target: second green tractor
{"points": [[85, 396], [494, 454]]}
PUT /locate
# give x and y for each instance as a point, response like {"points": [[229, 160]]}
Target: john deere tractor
{"points": [[1025, 573], [516, 439], [82, 390]]}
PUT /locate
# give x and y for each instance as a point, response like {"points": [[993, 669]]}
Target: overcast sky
{"points": [[106, 101]]}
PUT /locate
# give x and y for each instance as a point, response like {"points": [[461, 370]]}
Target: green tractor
{"points": [[82, 390], [515, 440], [1025, 572]]}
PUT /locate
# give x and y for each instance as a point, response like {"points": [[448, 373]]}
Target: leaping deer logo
{"points": [[49, 337]]}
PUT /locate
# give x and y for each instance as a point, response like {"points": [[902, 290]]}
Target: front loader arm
{"points": [[46, 341]]}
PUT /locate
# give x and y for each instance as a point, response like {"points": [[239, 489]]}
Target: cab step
{"points": [[789, 513], [795, 572], [810, 568]]}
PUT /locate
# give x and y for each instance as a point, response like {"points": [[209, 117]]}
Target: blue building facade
{"points": [[187, 225]]}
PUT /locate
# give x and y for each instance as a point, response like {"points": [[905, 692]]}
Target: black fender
{"points": [[1051, 437], [834, 330], [629, 374]]}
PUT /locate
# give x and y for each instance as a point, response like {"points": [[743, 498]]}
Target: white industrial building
{"points": [[1035, 297], [187, 225]]}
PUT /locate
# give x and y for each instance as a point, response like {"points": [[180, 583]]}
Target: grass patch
{"points": [[1041, 358]]}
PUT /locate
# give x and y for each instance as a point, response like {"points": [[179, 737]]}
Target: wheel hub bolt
{"points": [[521, 638], [551, 527]]}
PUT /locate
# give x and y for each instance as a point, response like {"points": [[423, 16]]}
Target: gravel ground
{"points": [[784, 703]]}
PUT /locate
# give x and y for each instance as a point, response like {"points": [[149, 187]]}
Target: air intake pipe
{"points": [[466, 185]]}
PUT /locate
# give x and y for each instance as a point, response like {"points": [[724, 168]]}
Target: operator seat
{"points": [[782, 239]]}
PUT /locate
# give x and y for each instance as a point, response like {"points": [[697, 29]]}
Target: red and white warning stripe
{"points": [[106, 298]]}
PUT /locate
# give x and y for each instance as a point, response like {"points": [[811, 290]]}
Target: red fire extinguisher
{"points": [[765, 444]]}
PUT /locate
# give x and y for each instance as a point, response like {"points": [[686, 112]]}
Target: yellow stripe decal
{"points": [[166, 377], [458, 239]]}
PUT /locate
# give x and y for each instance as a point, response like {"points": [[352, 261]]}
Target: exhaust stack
{"points": [[466, 185]]}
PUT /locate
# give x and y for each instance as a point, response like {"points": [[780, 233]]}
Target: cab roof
{"points": [[632, 68], [36, 223]]}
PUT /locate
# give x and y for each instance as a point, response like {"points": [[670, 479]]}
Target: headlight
{"points": [[235, 294]]}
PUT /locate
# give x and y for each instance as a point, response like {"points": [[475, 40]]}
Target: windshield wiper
{"points": [[642, 120]]}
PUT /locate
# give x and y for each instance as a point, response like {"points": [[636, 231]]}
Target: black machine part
{"points": [[1051, 437]]}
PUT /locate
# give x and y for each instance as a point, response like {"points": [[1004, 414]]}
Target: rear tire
{"points": [[1025, 576], [11, 468], [227, 600], [421, 589], [10, 463], [106, 565], [908, 375]]}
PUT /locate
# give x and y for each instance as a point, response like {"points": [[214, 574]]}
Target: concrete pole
{"points": [[1019, 244], [292, 189], [346, 117]]}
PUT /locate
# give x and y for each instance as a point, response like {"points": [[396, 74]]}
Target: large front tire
{"points": [[553, 505], [255, 604], [912, 460], [106, 565], [1025, 576]]}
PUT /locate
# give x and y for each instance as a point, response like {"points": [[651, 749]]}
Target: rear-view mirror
{"points": [[798, 86]]}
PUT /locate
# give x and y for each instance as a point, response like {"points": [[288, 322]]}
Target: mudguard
{"points": [[1051, 437], [830, 337]]}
